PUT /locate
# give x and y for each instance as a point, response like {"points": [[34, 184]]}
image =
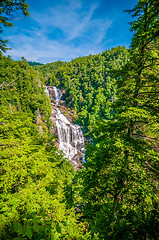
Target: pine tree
{"points": [[120, 178]]}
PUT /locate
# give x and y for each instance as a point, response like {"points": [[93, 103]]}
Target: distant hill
{"points": [[34, 63]]}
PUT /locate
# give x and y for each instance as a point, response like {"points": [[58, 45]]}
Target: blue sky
{"points": [[66, 29]]}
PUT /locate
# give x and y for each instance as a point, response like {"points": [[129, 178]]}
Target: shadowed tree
{"points": [[9, 9], [120, 178]]}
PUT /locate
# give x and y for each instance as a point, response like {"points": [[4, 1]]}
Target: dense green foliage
{"points": [[120, 179], [34, 63], [115, 97], [48, 69], [88, 83], [35, 184]]}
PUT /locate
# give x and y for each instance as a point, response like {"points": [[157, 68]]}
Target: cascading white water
{"points": [[57, 94], [70, 136], [47, 91]]}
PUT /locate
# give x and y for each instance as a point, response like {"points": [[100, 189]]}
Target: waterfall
{"points": [[70, 136], [47, 91], [57, 94]]}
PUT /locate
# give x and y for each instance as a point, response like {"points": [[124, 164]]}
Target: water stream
{"points": [[70, 136]]}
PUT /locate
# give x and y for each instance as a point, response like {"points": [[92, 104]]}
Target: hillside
{"points": [[36, 182], [100, 110], [88, 83]]}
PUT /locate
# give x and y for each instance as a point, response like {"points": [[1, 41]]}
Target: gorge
{"points": [[46, 192]]}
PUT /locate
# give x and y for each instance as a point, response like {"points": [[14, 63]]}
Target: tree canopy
{"points": [[115, 97], [36, 199], [120, 178]]}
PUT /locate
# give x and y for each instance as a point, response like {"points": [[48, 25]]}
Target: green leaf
{"points": [[29, 232], [36, 220], [36, 228], [17, 228], [4, 209], [63, 230], [56, 236], [18, 238], [13, 202]]}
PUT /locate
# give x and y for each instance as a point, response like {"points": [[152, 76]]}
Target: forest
{"points": [[114, 97]]}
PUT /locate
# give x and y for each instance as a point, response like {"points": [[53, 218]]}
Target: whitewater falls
{"points": [[70, 136]]}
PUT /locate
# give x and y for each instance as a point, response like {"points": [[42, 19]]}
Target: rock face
{"points": [[70, 136]]}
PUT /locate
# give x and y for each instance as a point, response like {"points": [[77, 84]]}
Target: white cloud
{"points": [[47, 51], [83, 33]]}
